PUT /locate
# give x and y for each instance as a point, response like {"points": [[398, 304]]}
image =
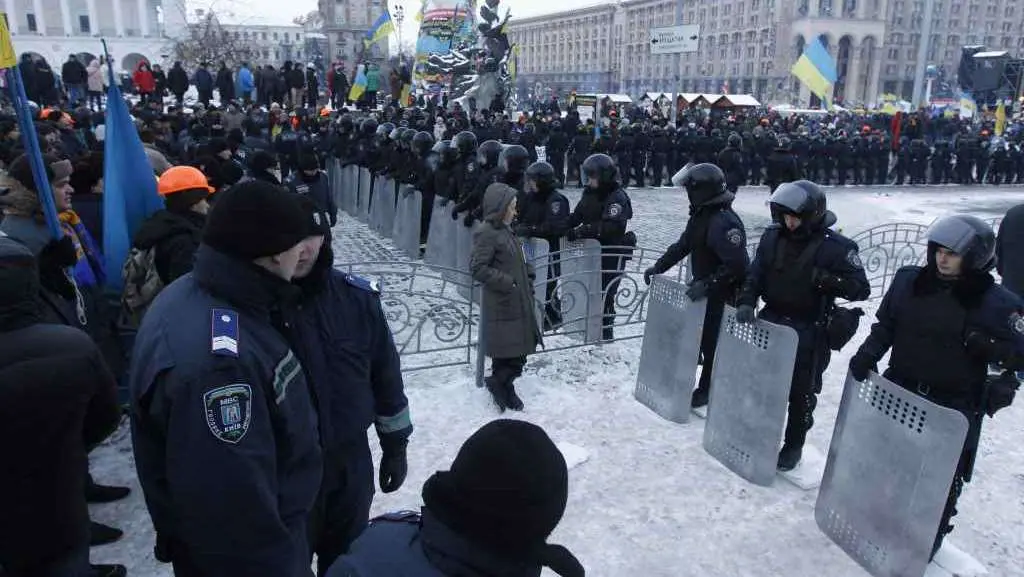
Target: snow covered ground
{"points": [[648, 500]]}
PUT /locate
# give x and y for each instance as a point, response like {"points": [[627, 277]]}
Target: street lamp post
{"points": [[398, 15]]}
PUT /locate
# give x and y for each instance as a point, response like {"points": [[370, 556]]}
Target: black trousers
{"points": [[342, 509], [709, 340], [508, 369], [812, 357]]}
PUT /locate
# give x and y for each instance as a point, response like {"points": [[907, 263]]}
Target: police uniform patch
{"points": [[735, 236], [1017, 323], [556, 208], [614, 209], [302, 189], [228, 412], [853, 258], [224, 333]]}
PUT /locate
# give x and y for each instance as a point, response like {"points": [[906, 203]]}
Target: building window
{"points": [[286, 37], [264, 35], [275, 35], [890, 69], [31, 20], [83, 24], [894, 53]]}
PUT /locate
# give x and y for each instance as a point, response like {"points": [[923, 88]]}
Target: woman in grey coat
{"points": [[510, 329]]}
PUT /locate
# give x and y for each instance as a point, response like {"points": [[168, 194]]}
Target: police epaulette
{"points": [[410, 517], [362, 283]]}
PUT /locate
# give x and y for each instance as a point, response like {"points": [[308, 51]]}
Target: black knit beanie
{"points": [[181, 201], [506, 491], [254, 219]]}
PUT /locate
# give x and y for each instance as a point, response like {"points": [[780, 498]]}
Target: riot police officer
{"points": [[467, 171], [730, 160], [513, 162], [488, 157], [781, 166], [661, 146], [557, 145], [717, 240], [579, 152], [800, 268], [945, 323], [603, 213], [623, 150], [544, 213]]}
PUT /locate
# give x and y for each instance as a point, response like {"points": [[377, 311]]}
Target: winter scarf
{"points": [[89, 270]]}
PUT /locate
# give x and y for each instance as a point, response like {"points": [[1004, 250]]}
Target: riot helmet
{"points": [[804, 200], [385, 129], [543, 175], [601, 167], [488, 153], [422, 143], [345, 123], [449, 154], [395, 134], [735, 140], [465, 143], [705, 185], [969, 237], [368, 126], [514, 160]]}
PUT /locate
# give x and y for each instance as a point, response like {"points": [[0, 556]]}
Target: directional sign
{"points": [[675, 39]]}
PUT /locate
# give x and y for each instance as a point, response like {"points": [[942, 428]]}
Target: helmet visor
{"points": [[952, 233], [789, 198]]}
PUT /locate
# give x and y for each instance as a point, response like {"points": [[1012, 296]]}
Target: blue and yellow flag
{"points": [[359, 84], [380, 29], [816, 70]]}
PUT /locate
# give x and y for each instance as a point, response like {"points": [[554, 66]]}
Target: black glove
{"points": [[745, 314], [1001, 392], [698, 290], [54, 258], [861, 364], [572, 234], [648, 274], [469, 220], [455, 214], [394, 465]]}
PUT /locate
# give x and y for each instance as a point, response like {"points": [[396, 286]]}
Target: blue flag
{"points": [[129, 187]]}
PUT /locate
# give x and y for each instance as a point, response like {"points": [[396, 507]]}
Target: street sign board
{"points": [[675, 39]]}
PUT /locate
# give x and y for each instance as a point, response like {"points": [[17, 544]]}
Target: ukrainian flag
{"points": [[816, 70], [380, 29], [358, 85]]}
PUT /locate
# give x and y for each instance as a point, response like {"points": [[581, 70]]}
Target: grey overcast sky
{"points": [[281, 13]]}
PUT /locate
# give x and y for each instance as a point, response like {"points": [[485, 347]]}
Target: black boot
{"points": [[789, 456], [107, 571], [100, 534], [512, 399], [95, 493], [498, 392], [700, 398]]}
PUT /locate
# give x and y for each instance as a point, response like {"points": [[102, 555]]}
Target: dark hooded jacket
{"points": [[57, 399], [175, 238], [510, 323]]}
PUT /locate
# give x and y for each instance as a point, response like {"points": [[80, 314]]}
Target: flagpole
{"points": [[29, 139]]}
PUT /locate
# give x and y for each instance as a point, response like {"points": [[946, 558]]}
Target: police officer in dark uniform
{"points": [[579, 152], [544, 213], [349, 355], [603, 213], [224, 428], [312, 181], [781, 165], [717, 240], [557, 146], [513, 161], [1010, 250], [641, 150], [445, 179], [800, 268], [661, 146], [730, 160], [467, 171], [623, 150], [945, 323], [487, 157]]}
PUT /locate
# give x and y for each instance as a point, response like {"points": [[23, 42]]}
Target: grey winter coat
{"points": [[510, 323]]}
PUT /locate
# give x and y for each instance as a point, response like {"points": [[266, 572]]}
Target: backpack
{"points": [[141, 285]]}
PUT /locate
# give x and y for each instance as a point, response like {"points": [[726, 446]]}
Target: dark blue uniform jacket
{"points": [[223, 426], [350, 356]]}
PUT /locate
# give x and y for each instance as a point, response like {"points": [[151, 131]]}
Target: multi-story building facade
{"points": [[54, 29], [749, 46], [346, 23], [270, 44]]}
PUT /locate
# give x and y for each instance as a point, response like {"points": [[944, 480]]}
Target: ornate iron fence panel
{"points": [[433, 325], [886, 248]]}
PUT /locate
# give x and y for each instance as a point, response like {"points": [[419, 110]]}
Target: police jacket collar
{"points": [[452, 554], [241, 283]]}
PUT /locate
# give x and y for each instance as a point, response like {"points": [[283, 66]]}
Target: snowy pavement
{"points": [[648, 500]]}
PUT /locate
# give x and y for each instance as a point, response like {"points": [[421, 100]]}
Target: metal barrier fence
{"points": [[585, 294]]}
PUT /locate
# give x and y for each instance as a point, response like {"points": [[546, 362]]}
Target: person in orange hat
{"points": [[165, 245]]}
